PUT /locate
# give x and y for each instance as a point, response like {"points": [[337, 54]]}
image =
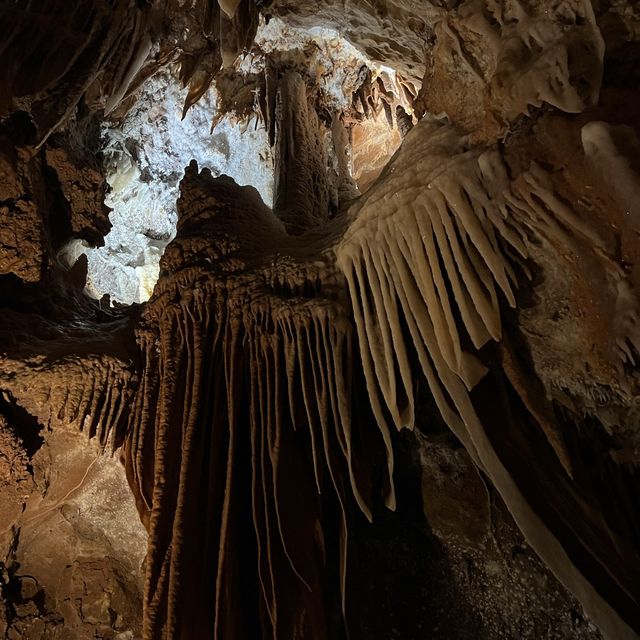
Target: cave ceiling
{"points": [[376, 374]]}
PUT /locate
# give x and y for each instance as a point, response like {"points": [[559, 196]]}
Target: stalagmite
{"points": [[302, 198], [437, 316]]}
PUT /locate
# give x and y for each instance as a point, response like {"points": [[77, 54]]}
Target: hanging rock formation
{"points": [[414, 405]]}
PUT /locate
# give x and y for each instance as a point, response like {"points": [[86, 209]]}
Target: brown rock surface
{"points": [[409, 413]]}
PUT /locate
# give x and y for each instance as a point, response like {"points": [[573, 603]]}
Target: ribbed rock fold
{"points": [[243, 424], [429, 257]]}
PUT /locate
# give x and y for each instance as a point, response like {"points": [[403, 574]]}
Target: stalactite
{"points": [[98, 50], [250, 342], [84, 394], [255, 367], [445, 246], [428, 244], [302, 194], [410, 238]]}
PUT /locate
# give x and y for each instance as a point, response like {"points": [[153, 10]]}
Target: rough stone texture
{"points": [[22, 228], [16, 475], [492, 62], [511, 593], [72, 560], [451, 563], [396, 33], [567, 311], [71, 545], [485, 284], [71, 542], [83, 187], [46, 194]]}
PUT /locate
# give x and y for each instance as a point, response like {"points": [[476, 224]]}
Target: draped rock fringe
{"points": [[275, 350], [107, 395], [89, 394], [86, 47], [436, 254]]}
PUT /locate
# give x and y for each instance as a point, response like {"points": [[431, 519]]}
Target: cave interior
{"points": [[319, 320]]}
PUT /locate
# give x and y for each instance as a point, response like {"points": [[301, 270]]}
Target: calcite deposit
{"points": [[356, 352]]}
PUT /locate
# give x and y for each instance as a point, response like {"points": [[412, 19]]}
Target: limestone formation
{"points": [[401, 402]]}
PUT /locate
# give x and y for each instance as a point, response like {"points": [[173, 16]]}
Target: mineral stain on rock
{"points": [[319, 320]]}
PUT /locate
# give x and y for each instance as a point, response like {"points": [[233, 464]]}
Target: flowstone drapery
{"points": [[484, 284], [248, 343]]}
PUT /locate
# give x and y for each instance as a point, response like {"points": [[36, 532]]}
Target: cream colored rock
{"points": [[494, 61]]}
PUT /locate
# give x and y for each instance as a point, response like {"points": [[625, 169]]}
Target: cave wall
{"points": [[534, 105]]}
